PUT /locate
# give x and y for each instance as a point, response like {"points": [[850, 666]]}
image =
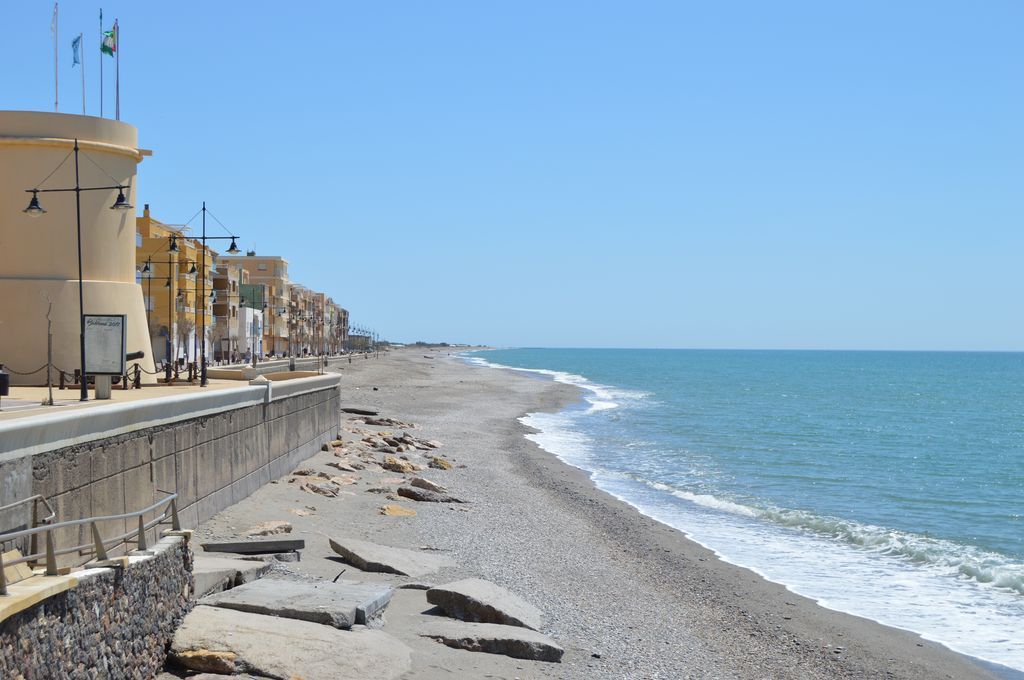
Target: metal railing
{"points": [[98, 547]]}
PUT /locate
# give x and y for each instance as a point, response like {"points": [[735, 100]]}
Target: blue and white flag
{"points": [[76, 51]]}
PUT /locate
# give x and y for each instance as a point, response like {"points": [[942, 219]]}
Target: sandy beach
{"points": [[625, 596]]}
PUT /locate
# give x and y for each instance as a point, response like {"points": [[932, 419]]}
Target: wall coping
{"points": [[36, 434]]}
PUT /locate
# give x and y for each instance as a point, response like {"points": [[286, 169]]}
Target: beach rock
{"points": [[345, 467], [217, 640], [491, 638], [359, 411], [344, 480], [395, 465], [208, 676], [388, 422], [386, 559], [337, 442], [392, 510], [303, 512], [426, 495], [439, 463], [325, 447], [339, 604], [213, 574], [474, 599], [427, 484], [431, 444], [270, 528], [328, 490]]}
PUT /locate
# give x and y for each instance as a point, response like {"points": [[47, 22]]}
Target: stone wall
{"points": [[115, 623], [211, 456]]}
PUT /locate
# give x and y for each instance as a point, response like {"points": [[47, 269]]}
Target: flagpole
{"points": [[56, 70], [101, 62], [81, 50], [117, 68]]}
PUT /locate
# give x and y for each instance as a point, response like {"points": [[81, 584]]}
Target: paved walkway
{"points": [[24, 401]]}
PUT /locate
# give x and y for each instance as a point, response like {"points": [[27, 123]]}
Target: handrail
{"points": [[30, 499], [98, 547], [34, 500]]}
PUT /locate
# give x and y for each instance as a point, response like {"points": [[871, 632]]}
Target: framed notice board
{"points": [[105, 341]]}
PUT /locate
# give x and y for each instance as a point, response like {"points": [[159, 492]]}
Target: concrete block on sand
{"points": [[373, 557], [474, 599], [340, 604], [492, 638], [213, 574], [215, 640]]}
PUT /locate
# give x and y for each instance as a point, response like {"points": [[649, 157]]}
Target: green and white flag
{"points": [[109, 44]]}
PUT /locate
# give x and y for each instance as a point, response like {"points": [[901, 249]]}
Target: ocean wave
{"points": [[948, 557], [599, 397]]}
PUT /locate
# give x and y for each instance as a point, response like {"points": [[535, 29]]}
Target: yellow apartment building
{"points": [[228, 280], [172, 283], [272, 272]]}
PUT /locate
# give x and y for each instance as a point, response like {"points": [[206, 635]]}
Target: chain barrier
{"points": [[11, 370]]}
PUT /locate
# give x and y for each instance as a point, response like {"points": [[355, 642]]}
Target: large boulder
{"points": [[216, 640], [492, 638], [473, 599], [382, 558]]}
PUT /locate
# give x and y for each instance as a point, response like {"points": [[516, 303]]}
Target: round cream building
{"points": [[39, 255]]}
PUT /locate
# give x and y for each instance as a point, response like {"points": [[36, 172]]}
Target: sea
{"points": [[889, 485]]}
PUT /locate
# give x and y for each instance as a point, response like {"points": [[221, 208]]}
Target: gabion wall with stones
{"points": [[114, 624]]}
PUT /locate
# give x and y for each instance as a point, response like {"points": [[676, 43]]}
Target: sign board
{"points": [[105, 341]]}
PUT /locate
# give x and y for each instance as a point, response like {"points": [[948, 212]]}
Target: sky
{"points": [[735, 174]]}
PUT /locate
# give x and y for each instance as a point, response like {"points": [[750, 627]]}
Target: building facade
{"points": [[178, 289], [272, 272]]}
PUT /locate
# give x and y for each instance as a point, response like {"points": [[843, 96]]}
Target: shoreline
{"points": [[625, 595], [548, 375]]}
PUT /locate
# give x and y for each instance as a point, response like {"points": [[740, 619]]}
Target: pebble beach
{"points": [[623, 595]]}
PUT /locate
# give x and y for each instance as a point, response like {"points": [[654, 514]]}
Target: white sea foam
{"points": [[600, 397], [965, 598]]}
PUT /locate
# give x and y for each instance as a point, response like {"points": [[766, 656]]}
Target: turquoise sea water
{"points": [[885, 484]]}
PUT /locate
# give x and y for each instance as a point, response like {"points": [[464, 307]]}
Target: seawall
{"points": [[212, 448]]}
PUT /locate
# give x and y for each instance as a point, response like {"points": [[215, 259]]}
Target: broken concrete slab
{"points": [[216, 640], [474, 599], [491, 638], [213, 574], [382, 558], [256, 547], [341, 604]]}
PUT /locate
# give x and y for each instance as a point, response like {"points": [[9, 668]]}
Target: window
{"points": [[262, 266]]}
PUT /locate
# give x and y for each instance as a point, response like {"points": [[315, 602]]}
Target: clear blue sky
{"points": [[667, 174]]}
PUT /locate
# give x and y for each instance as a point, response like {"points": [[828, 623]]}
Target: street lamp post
{"points": [[232, 249], [34, 209]]}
